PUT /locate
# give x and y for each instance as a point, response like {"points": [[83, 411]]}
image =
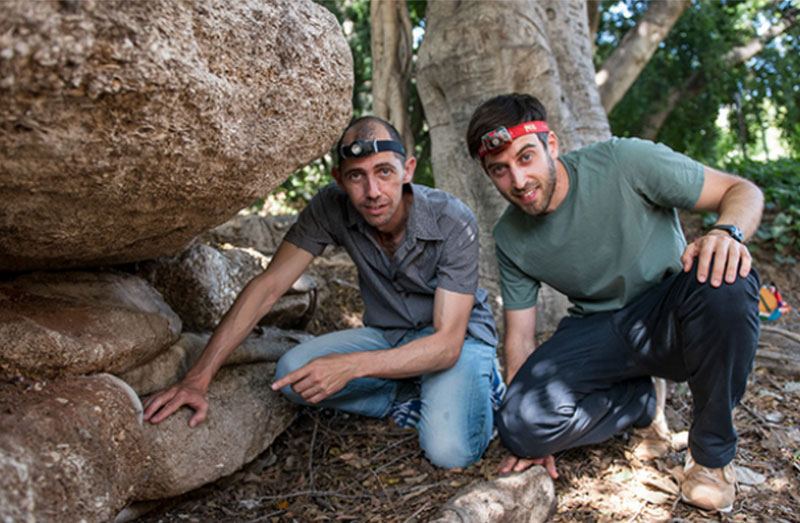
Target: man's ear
{"points": [[408, 169], [337, 176], [552, 145]]}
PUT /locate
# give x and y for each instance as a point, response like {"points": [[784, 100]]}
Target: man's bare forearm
{"points": [[520, 341], [253, 303], [250, 306], [742, 206]]}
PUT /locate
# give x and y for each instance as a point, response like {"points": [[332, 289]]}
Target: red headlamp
{"points": [[500, 138]]}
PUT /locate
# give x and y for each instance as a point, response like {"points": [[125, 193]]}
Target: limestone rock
{"points": [[70, 450], [525, 497], [130, 126], [244, 417], [202, 283], [56, 324], [266, 344], [263, 233]]}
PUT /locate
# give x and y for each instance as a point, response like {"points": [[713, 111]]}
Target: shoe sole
{"points": [[724, 510]]}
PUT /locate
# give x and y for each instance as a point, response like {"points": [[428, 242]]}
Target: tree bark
{"points": [[594, 14], [695, 84], [621, 69], [474, 50], [391, 47]]}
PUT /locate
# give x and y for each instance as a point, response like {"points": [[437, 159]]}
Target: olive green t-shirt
{"points": [[615, 235]]}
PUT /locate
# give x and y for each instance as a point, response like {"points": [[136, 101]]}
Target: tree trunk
{"points": [[594, 14], [695, 84], [621, 69], [474, 50], [391, 42]]}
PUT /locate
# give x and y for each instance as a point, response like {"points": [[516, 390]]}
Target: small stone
{"points": [[746, 476], [774, 417], [792, 386]]}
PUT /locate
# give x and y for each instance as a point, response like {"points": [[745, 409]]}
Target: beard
{"points": [[546, 188]]}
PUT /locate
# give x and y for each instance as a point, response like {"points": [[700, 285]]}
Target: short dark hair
{"points": [[505, 110], [365, 129]]}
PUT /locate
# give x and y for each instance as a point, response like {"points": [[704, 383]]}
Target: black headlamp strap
{"points": [[361, 148]]}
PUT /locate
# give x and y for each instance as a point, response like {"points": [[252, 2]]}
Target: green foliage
{"points": [[694, 48], [780, 182]]}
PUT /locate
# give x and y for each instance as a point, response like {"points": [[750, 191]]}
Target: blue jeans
{"points": [[456, 414]]}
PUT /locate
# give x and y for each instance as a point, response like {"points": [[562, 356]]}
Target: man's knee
{"points": [[737, 300], [532, 436], [449, 450]]}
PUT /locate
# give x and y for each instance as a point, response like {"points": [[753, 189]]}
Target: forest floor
{"points": [[331, 466]]}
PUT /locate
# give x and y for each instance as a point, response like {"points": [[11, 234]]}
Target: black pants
{"points": [[591, 379]]}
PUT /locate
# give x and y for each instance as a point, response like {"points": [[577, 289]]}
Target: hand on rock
{"points": [[512, 463], [163, 404]]}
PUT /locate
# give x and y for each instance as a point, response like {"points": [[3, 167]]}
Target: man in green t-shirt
{"points": [[600, 225]]}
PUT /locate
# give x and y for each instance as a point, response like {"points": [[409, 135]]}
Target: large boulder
{"points": [[202, 283], [244, 417], [70, 323], [70, 450], [130, 126], [266, 344]]}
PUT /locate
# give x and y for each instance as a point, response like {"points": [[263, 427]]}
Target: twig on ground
{"points": [[383, 488], [265, 517], [311, 453], [753, 413], [783, 332], [416, 513], [393, 445], [398, 458], [321, 493], [774, 383], [638, 512]]}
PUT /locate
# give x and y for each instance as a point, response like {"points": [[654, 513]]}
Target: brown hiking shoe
{"points": [[654, 440], [710, 489]]}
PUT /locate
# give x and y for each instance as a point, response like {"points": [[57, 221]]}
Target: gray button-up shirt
{"points": [[439, 249]]}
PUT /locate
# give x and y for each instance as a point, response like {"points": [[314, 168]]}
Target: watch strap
{"points": [[732, 230]]}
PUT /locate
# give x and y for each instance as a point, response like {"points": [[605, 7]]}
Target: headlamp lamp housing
{"points": [[498, 139], [362, 148]]}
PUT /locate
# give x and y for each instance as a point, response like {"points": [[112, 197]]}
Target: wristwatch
{"points": [[734, 231]]}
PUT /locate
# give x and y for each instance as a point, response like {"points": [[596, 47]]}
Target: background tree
{"points": [[706, 62], [635, 49], [729, 57], [473, 50], [391, 40]]}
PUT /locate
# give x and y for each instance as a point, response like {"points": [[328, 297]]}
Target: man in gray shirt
{"points": [[427, 322]]}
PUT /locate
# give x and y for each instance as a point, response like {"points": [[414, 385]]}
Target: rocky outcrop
{"points": [[70, 323], [70, 450], [128, 127], [525, 497], [262, 233], [244, 417], [75, 449], [266, 344], [202, 283]]}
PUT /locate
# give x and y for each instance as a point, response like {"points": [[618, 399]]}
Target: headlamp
{"points": [[362, 148], [498, 139]]}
